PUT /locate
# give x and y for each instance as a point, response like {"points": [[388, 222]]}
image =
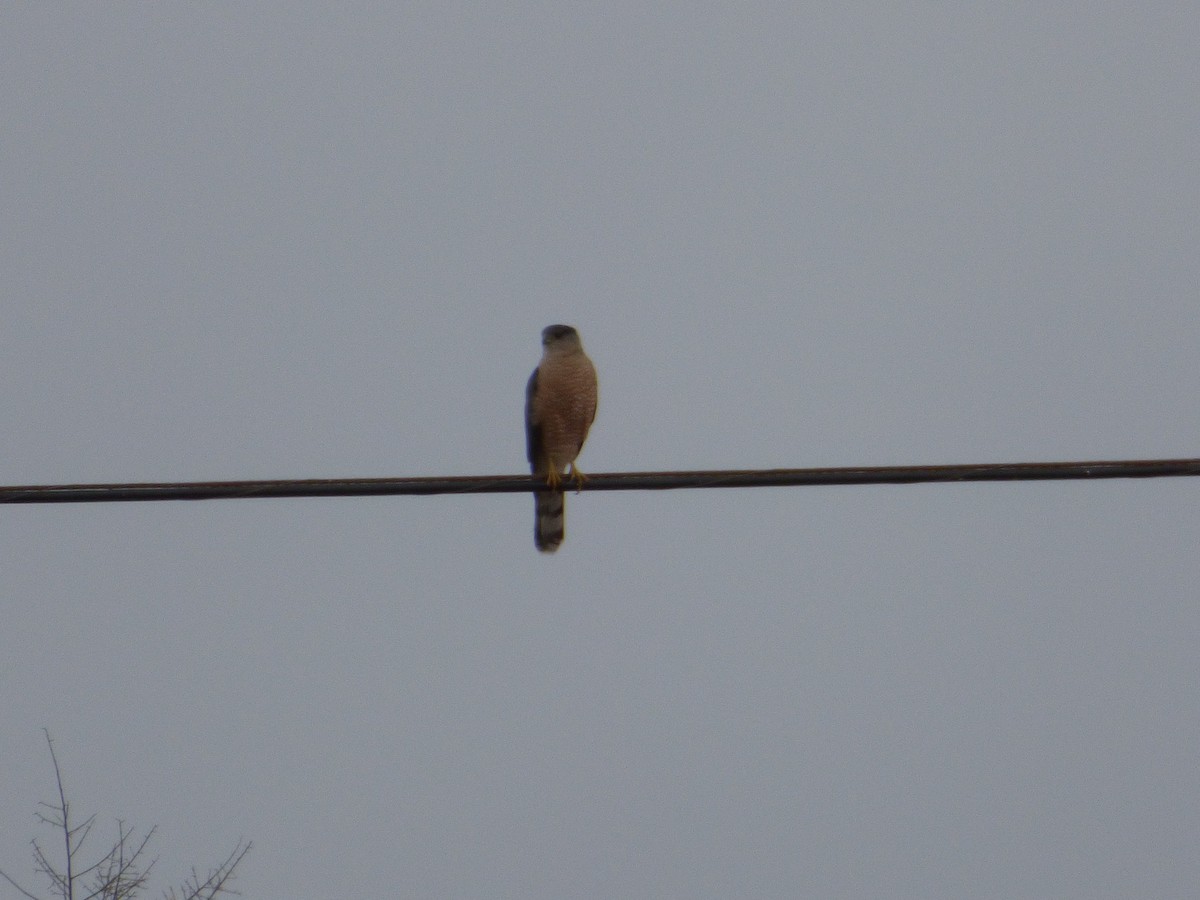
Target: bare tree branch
{"points": [[47, 868], [119, 874], [24, 892], [217, 881], [68, 879]]}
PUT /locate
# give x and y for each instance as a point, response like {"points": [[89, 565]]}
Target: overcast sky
{"points": [[269, 241]]}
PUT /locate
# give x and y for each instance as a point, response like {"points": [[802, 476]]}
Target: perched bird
{"points": [[560, 404]]}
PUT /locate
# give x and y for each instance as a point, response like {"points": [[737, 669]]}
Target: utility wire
{"points": [[610, 481]]}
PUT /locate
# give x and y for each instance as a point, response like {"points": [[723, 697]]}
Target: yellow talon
{"points": [[554, 478], [578, 477]]}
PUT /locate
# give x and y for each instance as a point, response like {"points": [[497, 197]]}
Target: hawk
{"points": [[560, 404]]}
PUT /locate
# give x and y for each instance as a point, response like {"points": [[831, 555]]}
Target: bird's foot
{"points": [[578, 477]]}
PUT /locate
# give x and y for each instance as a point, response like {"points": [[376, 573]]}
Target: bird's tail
{"points": [[549, 522]]}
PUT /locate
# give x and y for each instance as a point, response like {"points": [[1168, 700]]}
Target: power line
{"points": [[610, 481]]}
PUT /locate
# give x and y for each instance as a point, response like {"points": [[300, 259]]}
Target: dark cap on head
{"points": [[557, 332]]}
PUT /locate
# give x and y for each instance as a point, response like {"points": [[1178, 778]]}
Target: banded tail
{"points": [[549, 521]]}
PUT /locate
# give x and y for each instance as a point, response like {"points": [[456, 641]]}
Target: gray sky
{"points": [[254, 241]]}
